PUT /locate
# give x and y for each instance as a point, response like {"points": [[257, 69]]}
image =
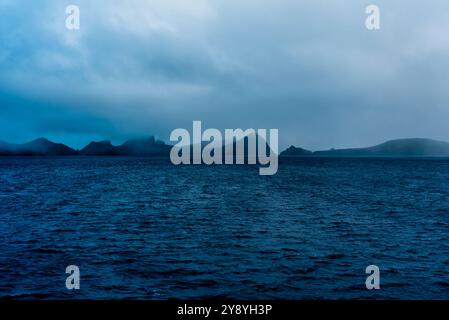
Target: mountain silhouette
{"points": [[232, 150], [144, 147], [137, 147], [100, 148], [415, 147], [293, 151], [43, 147], [151, 147], [36, 147]]}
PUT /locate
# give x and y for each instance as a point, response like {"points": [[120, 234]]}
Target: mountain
{"points": [[101, 148], [152, 147], [233, 149], [137, 147], [144, 147], [402, 147], [36, 147], [293, 151], [416, 147], [43, 147]]}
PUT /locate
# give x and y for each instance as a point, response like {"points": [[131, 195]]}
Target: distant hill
{"points": [[144, 147], [416, 147], [43, 147], [152, 147], [137, 147], [401, 147], [101, 148], [233, 149], [36, 147], [293, 151]]}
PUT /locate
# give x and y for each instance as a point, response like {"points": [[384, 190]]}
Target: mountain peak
{"points": [[43, 146], [101, 143], [40, 140], [144, 147], [295, 151], [99, 148]]}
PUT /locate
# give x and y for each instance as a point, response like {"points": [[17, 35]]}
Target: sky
{"points": [[309, 68]]}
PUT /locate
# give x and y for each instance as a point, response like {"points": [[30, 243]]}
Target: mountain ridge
{"points": [[44, 147], [37, 147], [408, 147], [151, 147]]}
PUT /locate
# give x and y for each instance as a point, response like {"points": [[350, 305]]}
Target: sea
{"points": [[142, 228]]}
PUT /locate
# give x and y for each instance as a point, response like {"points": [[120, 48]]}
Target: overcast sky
{"points": [[142, 67]]}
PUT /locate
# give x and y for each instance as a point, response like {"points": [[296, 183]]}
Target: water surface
{"points": [[142, 228]]}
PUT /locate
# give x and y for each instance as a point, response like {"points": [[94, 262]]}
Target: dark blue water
{"points": [[145, 229]]}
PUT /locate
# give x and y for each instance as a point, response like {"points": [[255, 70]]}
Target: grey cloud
{"points": [[309, 68]]}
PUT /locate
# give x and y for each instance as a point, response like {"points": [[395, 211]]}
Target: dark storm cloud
{"points": [[309, 68]]}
